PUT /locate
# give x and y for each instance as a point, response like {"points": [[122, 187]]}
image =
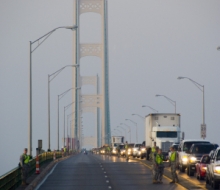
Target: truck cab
{"points": [[164, 129]]}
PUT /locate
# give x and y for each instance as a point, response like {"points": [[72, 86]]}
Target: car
{"points": [[213, 170], [135, 150], [201, 166], [194, 155], [183, 151], [123, 151]]}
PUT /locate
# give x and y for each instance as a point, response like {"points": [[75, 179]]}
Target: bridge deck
{"points": [[102, 172]]}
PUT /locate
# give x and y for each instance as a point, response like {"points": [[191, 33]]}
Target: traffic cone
{"points": [[37, 165]]}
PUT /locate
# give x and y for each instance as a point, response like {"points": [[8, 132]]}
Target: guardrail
{"points": [[12, 179]]}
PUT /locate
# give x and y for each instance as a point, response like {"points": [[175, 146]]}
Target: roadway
{"points": [[101, 172]]}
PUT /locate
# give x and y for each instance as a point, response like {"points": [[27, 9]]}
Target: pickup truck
{"points": [[195, 154], [213, 170], [183, 151]]}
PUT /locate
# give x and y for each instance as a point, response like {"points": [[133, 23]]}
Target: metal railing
{"points": [[12, 179]]}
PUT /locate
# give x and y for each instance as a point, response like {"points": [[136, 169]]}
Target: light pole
{"points": [[65, 108], [136, 129], [144, 106], [58, 120], [119, 131], [30, 80], [123, 130], [128, 128], [53, 75], [202, 89], [171, 101], [137, 115]]}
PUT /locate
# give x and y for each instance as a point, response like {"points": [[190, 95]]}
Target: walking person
{"points": [[154, 165], [24, 163], [160, 166], [173, 163]]}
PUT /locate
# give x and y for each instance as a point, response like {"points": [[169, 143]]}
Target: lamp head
{"points": [[218, 48], [157, 95], [180, 78], [143, 106], [72, 27]]}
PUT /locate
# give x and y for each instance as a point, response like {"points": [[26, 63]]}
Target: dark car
{"points": [[195, 154]]}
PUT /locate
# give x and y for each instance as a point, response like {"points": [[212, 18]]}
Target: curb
{"points": [[40, 177]]}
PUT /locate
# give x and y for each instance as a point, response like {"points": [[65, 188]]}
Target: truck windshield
{"points": [[203, 149], [167, 134]]}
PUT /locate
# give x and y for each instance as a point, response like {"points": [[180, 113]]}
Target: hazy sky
{"points": [[151, 43]]}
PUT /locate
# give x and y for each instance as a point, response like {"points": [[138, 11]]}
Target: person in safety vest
{"points": [[154, 165], [159, 166], [173, 163], [24, 163]]}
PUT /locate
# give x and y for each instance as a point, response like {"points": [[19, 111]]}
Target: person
{"points": [[24, 163], [126, 150], [153, 150], [118, 150], [154, 165], [159, 166], [64, 150], [173, 163]]}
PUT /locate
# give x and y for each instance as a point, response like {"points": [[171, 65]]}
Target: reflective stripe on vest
{"points": [[173, 157]]}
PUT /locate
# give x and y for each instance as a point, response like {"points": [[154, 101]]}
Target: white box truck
{"points": [[162, 128], [116, 141]]}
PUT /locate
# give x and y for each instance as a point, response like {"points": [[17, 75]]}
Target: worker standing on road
{"points": [[173, 163], [159, 166], [154, 165], [24, 163], [126, 150], [153, 150]]}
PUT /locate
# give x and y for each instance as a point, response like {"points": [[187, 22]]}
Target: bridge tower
{"points": [[99, 101]]}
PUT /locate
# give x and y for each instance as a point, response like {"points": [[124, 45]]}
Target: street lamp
{"points": [[30, 80], [123, 130], [136, 128], [53, 75], [65, 108], [150, 108], [129, 129], [58, 122], [119, 131], [171, 101], [202, 89], [218, 48], [137, 115]]}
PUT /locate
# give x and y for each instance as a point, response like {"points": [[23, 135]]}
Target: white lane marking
{"points": [[41, 183]]}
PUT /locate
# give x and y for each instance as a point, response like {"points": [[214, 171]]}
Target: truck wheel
{"points": [[189, 171], [215, 184], [207, 180], [182, 169], [142, 157]]}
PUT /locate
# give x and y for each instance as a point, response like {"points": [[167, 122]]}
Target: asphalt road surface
{"points": [[99, 172]]}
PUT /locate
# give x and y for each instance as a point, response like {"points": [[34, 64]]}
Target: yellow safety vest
{"points": [[159, 159], [173, 157], [153, 149], [26, 158]]}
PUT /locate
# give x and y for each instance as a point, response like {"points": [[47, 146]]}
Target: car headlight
{"points": [[217, 169], [184, 159], [192, 159], [204, 169], [129, 150], [143, 149]]}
